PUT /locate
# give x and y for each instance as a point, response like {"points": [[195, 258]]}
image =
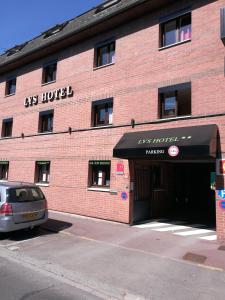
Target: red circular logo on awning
{"points": [[173, 151]]}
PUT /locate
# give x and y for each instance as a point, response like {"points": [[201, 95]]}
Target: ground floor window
{"points": [[99, 173], [4, 170], [42, 171]]}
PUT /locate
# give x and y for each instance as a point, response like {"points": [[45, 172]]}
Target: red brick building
{"points": [[119, 114]]}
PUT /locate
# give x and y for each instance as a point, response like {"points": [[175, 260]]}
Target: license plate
{"points": [[30, 216]]}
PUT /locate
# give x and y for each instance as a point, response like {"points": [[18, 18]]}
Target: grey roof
{"points": [[70, 28]]}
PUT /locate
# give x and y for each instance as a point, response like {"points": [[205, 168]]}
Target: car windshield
{"points": [[24, 194]]}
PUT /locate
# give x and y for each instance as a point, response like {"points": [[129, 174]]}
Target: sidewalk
{"points": [[186, 249], [118, 262]]}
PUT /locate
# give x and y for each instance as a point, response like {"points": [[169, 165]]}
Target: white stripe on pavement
{"points": [[172, 228], [209, 238], [152, 225], [194, 232]]}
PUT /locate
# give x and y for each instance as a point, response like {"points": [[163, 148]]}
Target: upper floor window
{"points": [[176, 30], [42, 171], [7, 125], [10, 88], [49, 73], [102, 112], [46, 121], [4, 170], [99, 173], [175, 101], [105, 54]]}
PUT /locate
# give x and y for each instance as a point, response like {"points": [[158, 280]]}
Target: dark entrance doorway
{"points": [[194, 198], [177, 191]]}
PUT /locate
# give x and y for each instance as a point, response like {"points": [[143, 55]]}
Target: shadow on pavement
{"points": [[55, 226], [52, 226]]}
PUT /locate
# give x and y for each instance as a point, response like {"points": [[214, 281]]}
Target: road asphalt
{"points": [[24, 282], [82, 258]]}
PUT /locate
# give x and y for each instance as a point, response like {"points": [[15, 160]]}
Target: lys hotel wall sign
{"points": [[51, 96]]}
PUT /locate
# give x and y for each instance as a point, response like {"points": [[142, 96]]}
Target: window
{"points": [[176, 30], [46, 121], [99, 173], [42, 171], [105, 54], [4, 170], [175, 101], [102, 112], [15, 49], [10, 88], [25, 194], [49, 73], [54, 30], [106, 5], [222, 23], [7, 128]]}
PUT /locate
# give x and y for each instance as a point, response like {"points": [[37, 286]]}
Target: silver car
{"points": [[22, 205]]}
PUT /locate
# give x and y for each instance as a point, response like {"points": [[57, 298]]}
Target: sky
{"points": [[22, 20]]}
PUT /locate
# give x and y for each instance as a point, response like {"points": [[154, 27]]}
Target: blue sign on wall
{"points": [[124, 196], [221, 194], [222, 204]]}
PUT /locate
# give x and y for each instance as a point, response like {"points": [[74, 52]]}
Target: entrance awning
{"points": [[195, 142]]}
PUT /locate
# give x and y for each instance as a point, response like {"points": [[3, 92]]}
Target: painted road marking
{"points": [[13, 248], [172, 228], [194, 232], [152, 225], [21, 241], [185, 231], [209, 238]]}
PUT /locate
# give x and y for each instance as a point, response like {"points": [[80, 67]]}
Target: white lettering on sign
{"points": [[30, 101], [49, 96], [155, 152]]}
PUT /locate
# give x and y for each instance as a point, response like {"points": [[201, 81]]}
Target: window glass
{"points": [[176, 30], [49, 73], [176, 102], [170, 33], [11, 87], [105, 54], [112, 53], [46, 122], [4, 169], [103, 113], [7, 128], [42, 172], [169, 104], [27, 194], [185, 27], [99, 173]]}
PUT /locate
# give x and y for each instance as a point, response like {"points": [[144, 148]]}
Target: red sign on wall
{"points": [[120, 169], [221, 167]]}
